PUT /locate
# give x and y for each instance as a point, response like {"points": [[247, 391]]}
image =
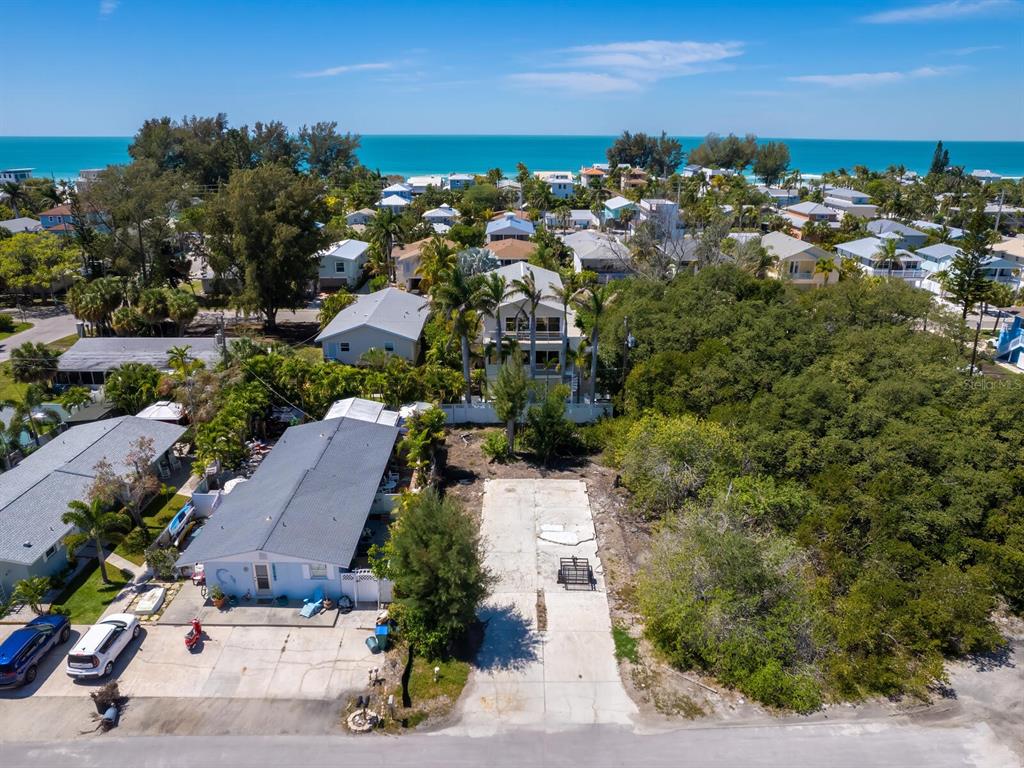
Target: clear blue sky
{"points": [[900, 69]]}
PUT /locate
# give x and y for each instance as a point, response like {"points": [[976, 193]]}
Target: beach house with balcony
{"points": [[601, 253], [869, 254], [398, 188], [444, 215], [939, 258], [1010, 344], [801, 214], [457, 181], [616, 210], [561, 183], [393, 203], [515, 321], [797, 260], [850, 201]]}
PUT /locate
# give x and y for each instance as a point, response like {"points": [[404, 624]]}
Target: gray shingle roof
{"points": [[309, 499], [21, 224], [592, 246], [102, 353], [35, 494], [390, 310]]}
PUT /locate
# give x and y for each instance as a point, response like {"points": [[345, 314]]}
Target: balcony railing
{"points": [[903, 274], [522, 335]]}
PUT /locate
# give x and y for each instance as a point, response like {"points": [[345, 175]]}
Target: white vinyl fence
{"points": [[483, 413]]}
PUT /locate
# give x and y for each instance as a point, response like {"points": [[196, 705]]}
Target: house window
{"points": [[794, 267], [343, 346], [49, 553], [318, 570], [389, 346], [549, 324], [339, 267]]}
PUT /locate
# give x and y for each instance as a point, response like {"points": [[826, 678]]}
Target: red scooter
{"points": [[194, 635]]}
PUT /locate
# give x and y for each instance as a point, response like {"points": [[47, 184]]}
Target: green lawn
{"points": [[450, 681], [156, 517], [87, 596], [18, 328], [625, 644], [9, 388], [63, 343]]}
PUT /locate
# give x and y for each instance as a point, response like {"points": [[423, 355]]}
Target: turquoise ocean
{"points": [[62, 157]]}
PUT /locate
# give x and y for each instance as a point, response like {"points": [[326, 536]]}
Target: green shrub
{"points": [[626, 646], [161, 560], [496, 447], [7, 323], [137, 540]]}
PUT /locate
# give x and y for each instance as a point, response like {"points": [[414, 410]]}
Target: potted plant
{"points": [[218, 597]]}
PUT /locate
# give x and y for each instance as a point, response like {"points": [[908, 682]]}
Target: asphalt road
{"points": [[836, 746], [47, 325]]}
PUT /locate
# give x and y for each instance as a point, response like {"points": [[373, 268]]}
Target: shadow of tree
{"points": [[986, 662], [510, 641]]}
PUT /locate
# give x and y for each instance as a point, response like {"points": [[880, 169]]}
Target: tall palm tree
{"points": [[436, 258], [580, 358], [593, 303], [458, 296], [572, 284], [494, 290], [387, 231], [527, 286], [94, 523]]}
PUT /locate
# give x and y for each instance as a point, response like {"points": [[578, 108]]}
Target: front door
{"points": [[261, 572]]}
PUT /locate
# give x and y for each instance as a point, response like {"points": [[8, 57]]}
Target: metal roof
{"points": [[390, 310], [35, 494], [597, 247], [510, 223], [102, 353], [309, 499], [884, 226], [21, 224], [363, 410]]}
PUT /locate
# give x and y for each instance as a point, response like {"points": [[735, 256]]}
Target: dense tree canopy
{"points": [[730, 152], [840, 503], [660, 155]]}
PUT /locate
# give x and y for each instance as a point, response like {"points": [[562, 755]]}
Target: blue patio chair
{"points": [[311, 606]]}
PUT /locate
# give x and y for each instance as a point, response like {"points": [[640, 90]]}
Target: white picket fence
{"points": [[483, 413]]}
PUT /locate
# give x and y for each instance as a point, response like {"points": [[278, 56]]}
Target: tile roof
{"points": [[309, 499]]}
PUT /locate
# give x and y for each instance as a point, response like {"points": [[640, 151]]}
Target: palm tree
{"points": [[825, 266], [15, 194], [152, 306], [887, 251], [387, 231], [580, 358], [458, 296], [182, 309], [436, 258], [527, 285], [494, 290], [23, 412], [94, 523], [572, 284], [33, 363], [592, 304]]}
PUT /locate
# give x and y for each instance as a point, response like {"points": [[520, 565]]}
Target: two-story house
{"points": [[938, 258], [399, 189], [457, 181], [601, 253], [443, 215], [907, 237], [797, 260], [514, 314], [869, 253], [419, 184], [60, 221], [393, 203], [15, 175], [662, 214], [616, 209], [850, 201], [801, 214], [780, 197], [341, 264], [509, 226], [561, 183], [390, 319]]}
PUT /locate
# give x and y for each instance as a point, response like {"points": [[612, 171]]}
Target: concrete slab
{"points": [[566, 676]]}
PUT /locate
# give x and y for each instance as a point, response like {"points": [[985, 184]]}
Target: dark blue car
{"points": [[21, 653]]}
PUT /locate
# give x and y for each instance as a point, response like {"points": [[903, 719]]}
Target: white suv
{"points": [[96, 651]]}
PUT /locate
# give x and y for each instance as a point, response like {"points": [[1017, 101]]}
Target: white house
{"points": [[798, 260], [850, 201], [393, 203], [443, 214], [662, 214], [939, 257], [561, 183], [930, 226], [361, 217], [399, 189], [514, 314], [576, 218], [304, 522], [341, 264], [599, 252], [985, 176], [509, 226], [907, 237], [418, 184], [390, 319], [868, 252], [458, 181]]}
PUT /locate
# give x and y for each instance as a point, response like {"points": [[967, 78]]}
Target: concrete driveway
{"points": [[235, 662], [526, 676]]}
